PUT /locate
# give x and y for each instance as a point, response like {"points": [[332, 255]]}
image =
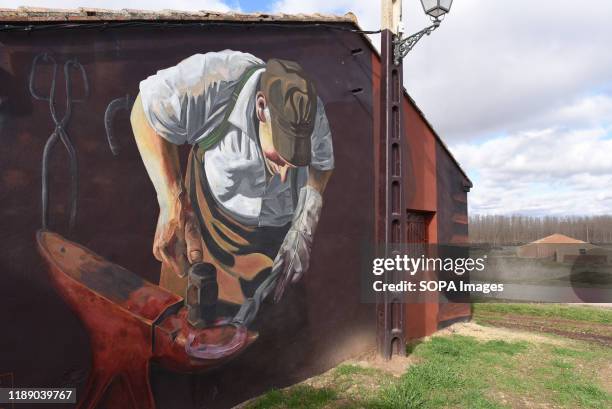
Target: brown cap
{"points": [[292, 100]]}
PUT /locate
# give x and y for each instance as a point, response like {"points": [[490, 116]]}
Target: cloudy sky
{"points": [[520, 90]]}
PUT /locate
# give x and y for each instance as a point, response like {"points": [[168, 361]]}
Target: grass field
{"points": [[475, 366], [570, 321], [568, 311]]}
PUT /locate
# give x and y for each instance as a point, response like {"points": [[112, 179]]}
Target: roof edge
{"points": [[87, 14]]}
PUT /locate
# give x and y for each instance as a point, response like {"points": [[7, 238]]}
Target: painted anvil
{"points": [[131, 323]]}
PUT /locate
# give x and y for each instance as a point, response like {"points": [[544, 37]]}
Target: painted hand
{"points": [[293, 257], [178, 242]]}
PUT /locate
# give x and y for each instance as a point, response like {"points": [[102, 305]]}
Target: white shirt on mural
{"points": [[186, 102]]}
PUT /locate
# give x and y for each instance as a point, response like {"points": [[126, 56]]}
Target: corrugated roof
{"points": [[92, 15], [84, 14]]}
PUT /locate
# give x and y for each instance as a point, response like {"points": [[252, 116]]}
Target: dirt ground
{"points": [[584, 331], [398, 365], [598, 305], [486, 333]]}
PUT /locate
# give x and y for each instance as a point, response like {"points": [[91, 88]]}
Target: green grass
{"points": [[449, 374], [570, 389], [352, 370], [300, 396], [573, 353], [343, 381], [559, 363], [462, 372], [562, 311]]}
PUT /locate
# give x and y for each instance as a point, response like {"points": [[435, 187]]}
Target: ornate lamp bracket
{"points": [[402, 46]]}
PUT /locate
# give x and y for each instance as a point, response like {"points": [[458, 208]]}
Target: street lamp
{"points": [[434, 9], [392, 149]]}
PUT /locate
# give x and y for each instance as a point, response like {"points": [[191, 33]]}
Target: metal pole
{"points": [[390, 308]]}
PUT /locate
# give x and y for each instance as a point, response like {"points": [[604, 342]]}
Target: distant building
{"points": [[563, 249]]}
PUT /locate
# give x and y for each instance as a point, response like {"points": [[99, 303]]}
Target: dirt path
{"points": [[598, 305], [491, 333], [580, 330]]}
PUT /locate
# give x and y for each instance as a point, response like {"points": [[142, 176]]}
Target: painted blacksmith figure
{"points": [[260, 160]]}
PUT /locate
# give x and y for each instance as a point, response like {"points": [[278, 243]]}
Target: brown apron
{"points": [[242, 255]]}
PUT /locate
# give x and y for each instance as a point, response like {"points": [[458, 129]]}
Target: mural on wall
{"points": [[252, 195], [232, 240], [237, 229]]}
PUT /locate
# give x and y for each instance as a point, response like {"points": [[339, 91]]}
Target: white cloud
{"points": [[187, 5], [367, 12], [502, 66], [541, 172], [495, 66]]}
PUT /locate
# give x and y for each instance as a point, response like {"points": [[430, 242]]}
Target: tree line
{"points": [[517, 229]]}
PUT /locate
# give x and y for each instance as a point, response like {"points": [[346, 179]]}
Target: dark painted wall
{"points": [[319, 323], [452, 225]]}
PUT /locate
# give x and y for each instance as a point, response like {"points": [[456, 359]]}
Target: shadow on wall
{"points": [[14, 100]]}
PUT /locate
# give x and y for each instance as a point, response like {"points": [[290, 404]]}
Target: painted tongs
{"points": [[132, 322]]}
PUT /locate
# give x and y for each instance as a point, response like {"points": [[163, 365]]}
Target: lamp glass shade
{"points": [[436, 8], [429, 4], [446, 4]]}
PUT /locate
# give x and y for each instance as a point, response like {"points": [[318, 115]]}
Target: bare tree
{"points": [[519, 229]]}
